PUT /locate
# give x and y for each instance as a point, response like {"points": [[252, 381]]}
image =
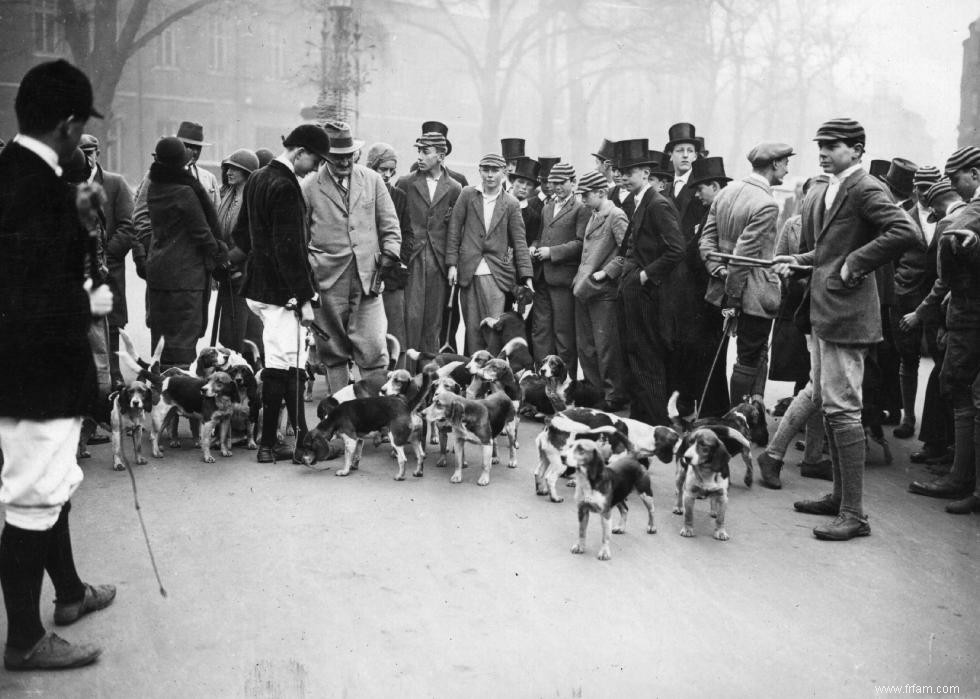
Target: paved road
{"points": [[284, 582]]}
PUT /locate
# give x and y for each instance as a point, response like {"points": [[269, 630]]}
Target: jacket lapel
{"points": [[355, 187], [442, 188], [329, 187], [477, 204], [418, 181], [564, 210], [498, 213], [835, 206]]}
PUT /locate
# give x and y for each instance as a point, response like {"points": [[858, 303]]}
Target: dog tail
{"points": [[394, 351]]}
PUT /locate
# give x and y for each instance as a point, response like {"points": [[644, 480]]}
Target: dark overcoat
{"points": [[120, 237]]}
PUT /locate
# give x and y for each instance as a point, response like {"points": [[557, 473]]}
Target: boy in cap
{"points": [[46, 307], [559, 250], [487, 249], [272, 234], [850, 227]]}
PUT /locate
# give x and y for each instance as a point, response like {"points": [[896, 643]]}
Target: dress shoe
{"points": [[270, 455], [939, 469], [51, 653], [823, 470], [944, 488], [904, 431], [843, 527], [769, 467], [96, 598], [945, 458], [824, 506], [928, 451], [967, 505]]}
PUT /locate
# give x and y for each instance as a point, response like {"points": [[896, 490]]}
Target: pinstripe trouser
{"points": [[644, 349]]}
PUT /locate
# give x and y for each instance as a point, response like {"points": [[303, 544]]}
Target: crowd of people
{"points": [[637, 273]]}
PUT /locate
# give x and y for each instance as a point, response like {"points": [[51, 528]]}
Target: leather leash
{"points": [[726, 331], [139, 514]]}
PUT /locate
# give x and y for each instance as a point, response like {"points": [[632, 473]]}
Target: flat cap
{"points": [[841, 129], [937, 190], [493, 160], [88, 142], [561, 172], [769, 151], [591, 182], [962, 159], [926, 174], [433, 139]]}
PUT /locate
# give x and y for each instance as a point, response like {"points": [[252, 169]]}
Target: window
{"points": [[111, 156], [275, 44], [166, 44], [49, 34], [217, 136], [217, 45]]}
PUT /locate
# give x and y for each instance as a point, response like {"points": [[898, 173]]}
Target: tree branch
{"points": [[166, 22]]}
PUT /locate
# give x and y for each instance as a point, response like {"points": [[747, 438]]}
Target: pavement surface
{"points": [[285, 582]]}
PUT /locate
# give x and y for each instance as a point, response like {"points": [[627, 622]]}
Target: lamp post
{"points": [[335, 66]]}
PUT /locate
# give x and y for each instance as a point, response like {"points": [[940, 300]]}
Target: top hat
{"points": [[512, 148], [700, 147], [681, 133], [528, 168], [635, 152], [192, 134], [438, 127], [547, 163], [705, 170], [900, 176], [662, 166], [607, 151], [878, 168], [341, 141], [311, 137], [55, 89]]}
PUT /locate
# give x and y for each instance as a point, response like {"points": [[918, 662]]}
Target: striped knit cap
{"points": [[963, 159], [940, 188], [841, 129], [561, 172], [927, 174], [436, 140], [493, 160], [592, 181]]}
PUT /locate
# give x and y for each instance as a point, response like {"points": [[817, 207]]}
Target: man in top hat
{"points": [[431, 193], [487, 249], [604, 160], [512, 149], [272, 234], [648, 317], [850, 227], [354, 236], [48, 381], [618, 192], [547, 162], [559, 250], [440, 128], [959, 271], [523, 181], [742, 221], [120, 239], [682, 151]]}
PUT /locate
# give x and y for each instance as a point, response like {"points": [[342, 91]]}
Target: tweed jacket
{"points": [[604, 234], [503, 244], [913, 279], [120, 238], [272, 232], [563, 235], [742, 221], [430, 219], [48, 370], [864, 228], [357, 228]]}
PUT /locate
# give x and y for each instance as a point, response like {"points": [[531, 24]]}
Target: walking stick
{"points": [[725, 332], [453, 295], [139, 515]]}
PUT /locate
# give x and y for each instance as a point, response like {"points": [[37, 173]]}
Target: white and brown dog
{"points": [[208, 404], [130, 406], [702, 472], [601, 486]]}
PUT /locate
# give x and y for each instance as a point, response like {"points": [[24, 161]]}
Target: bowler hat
{"points": [[681, 133], [55, 89], [341, 140], [528, 168], [547, 162], [607, 151], [311, 137], [635, 152], [191, 133], [705, 170], [512, 148], [171, 151], [900, 176], [265, 156], [438, 127]]}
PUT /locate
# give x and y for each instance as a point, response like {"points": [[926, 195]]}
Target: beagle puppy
{"points": [[440, 429], [208, 403], [480, 421], [702, 472], [130, 406], [738, 429], [600, 487]]}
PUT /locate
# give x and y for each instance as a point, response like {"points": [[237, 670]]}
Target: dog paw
{"points": [[456, 478], [484, 479], [604, 554], [417, 474], [226, 452], [555, 498], [174, 443], [208, 459], [512, 464], [652, 529], [251, 446], [721, 535], [441, 462], [495, 460], [677, 511], [399, 476], [344, 472], [578, 548], [618, 530], [687, 531], [748, 480], [119, 466], [141, 460], [84, 454], [158, 455]]}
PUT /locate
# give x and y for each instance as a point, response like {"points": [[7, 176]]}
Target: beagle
{"points": [[480, 421], [507, 338], [130, 406], [208, 403], [738, 429], [702, 472], [600, 487]]}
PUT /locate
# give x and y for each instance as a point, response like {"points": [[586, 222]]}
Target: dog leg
{"points": [[540, 487], [204, 439], [679, 489], [224, 432], [356, 463], [157, 421], [624, 510], [512, 439], [250, 434], [457, 476], [173, 419], [402, 460], [747, 458], [138, 442], [688, 528], [722, 506], [583, 524], [308, 393], [484, 478], [647, 500], [436, 437], [440, 437], [604, 553], [118, 460], [555, 469], [494, 459], [349, 446], [419, 446]]}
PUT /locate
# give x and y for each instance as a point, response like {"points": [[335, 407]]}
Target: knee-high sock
{"points": [[294, 398], [60, 562], [22, 554], [743, 382], [834, 459], [273, 393], [848, 441], [909, 385]]}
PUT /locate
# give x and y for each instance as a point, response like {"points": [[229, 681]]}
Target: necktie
{"points": [[343, 189]]}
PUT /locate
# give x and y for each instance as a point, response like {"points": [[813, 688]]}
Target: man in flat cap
{"points": [[47, 303], [742, 221], [850, 227], [354, 240], [487, 249], [271, 234], [431, 193]]}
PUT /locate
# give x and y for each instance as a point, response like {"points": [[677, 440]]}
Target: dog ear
{"points": [[720, 459], [455, 412]]}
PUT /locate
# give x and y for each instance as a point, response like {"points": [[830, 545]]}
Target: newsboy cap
{"points": [[926, 174], [937, 190], [55, 89], [963, 159], [768, 151], [591, 182], [88, 142], [561, 172], [311, 137], [840, 129], [493, 160]]}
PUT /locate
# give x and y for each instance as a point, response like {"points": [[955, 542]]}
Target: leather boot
{"points": [[769, 467], [742, 383], [273, 393], [295, 380]]}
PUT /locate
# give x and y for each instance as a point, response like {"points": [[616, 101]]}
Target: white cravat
{"points": [[835, 183], [680, 181]]}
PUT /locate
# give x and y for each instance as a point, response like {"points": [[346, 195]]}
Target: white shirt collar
{"points": [[522, 204], [488, 197], [639, 195], [41, 150], [285, 161], [840, 177]]}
